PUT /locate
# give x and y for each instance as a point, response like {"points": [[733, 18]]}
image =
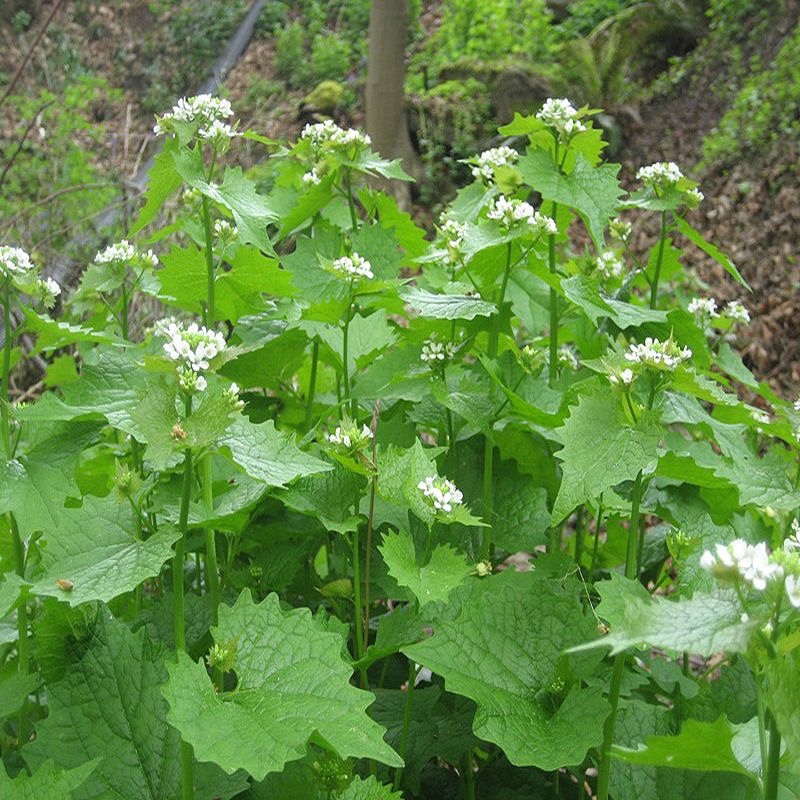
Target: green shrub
{"points": [[586, 15], [330, 58], [290, 55], [764, 110]]}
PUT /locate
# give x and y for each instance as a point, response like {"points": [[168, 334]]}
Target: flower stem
{"points": [[348, 187], [209, 252], [312, 383], [358, 623], [631, 571], [553, 366], [659, 260], [23, 663], [212, 569], [412, 678], [469, 777]]}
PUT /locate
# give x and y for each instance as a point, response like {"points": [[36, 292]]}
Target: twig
{"points": [[30, 52], [21, 142]]}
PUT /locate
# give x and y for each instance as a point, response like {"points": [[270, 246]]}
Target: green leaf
{"points": [[503, 652], [292, 686], [163, 180], [47, 783], [14, 691], [95, 548], [702, 746], [705, 624], [251, 211], [594, 192], [269, 455], [52, 334], [431, 583], [694, 236], [783, 699], [108, 706], [369, 789], [400, 471], [585, 293], [447, 306], [35, 484], [602, 449]]}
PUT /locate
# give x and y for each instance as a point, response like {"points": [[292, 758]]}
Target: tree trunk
{"points": [[386, 74]]}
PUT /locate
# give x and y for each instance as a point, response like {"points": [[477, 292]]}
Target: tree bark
{"points": [[385, 96]]}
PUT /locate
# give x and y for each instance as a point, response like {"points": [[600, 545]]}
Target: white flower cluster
{"points": [[47, 290], [654, 353], [204, 109], [349, 437], [792, 544], [193, 348], [436, 352], [353, 267], [15, 261], [610, 264], [218, 132], [509, 212], [661, 175], [231, 394], [489, 161], [322, 135], [693, 197], [750, 563], [123, 252], [441, 493], [620, 229], [454, 233], [225, 232], [312, 177], [736, 312], [559, 113], [625, 377], [567, 358], [703, 307]]}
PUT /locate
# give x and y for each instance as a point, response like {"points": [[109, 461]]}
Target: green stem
{"points": [[469, 777], [412, 677], [345, 369], [124, 310], [488, 444], [209, 252], [212, 568], [659, 260], [4, 407], [773, 766], [348, 187], [551, 248], [631, 571], [358, 622], [597, 525], [579, 535], [187, 765], [312, 383]]}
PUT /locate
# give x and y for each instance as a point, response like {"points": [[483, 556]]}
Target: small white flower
{"points": [[218, 131], [654, 353], [193, 348], [759, 416], [620, 229], [348, 436], [559, 113], [792, 585], [15, 261], [203, 109], [750, 563], [441, 493], [693, 198], [327, 134], [736, 312], [567, 358], [703, 306], [792, 543], [436, 352], [490, 160], [122, 251], [610, 264], [660, 176], [52, 287], [625, 377], [353, 267], [312, 177], [510, 212]]}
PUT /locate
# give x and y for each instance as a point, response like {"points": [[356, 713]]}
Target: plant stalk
{"points": [[312, 383], [659, 260], [551, 256], [212, 567], [631, 571], [412, 678]]}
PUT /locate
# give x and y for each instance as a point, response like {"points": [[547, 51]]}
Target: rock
{"points": [[516, 89], [324, 97]]}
